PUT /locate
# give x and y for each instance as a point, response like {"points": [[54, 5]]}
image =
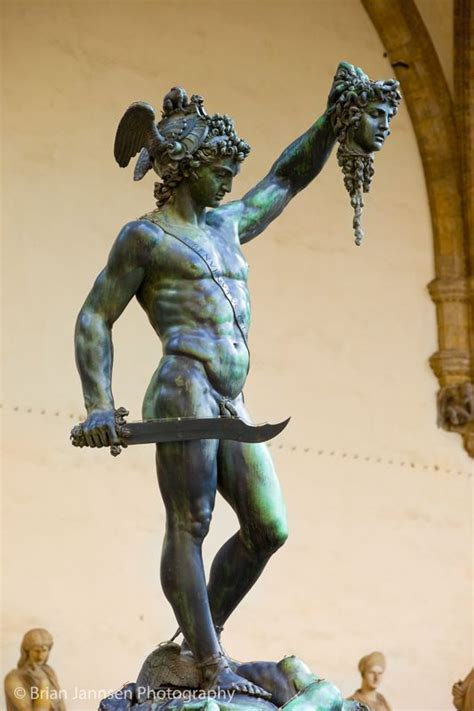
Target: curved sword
{"points": [[182, 429]]}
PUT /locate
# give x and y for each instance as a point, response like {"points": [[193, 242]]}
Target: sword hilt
{"points": [[78, 438]]}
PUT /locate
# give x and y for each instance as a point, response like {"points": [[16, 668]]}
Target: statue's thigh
{"points": [[187, 471], [248, 481], [187, 477]]}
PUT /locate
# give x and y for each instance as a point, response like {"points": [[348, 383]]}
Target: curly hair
{"points": [[357, 92], [221, 140]]}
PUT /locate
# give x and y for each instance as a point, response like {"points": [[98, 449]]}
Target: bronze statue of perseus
{"points": [[184, 263]]}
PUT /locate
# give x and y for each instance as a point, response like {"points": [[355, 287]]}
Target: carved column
{"points": [[446, 150], [451, 363]]}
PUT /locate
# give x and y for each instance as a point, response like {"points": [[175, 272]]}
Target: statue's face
{"points": [[374, 126], [213, 181], [38, 654], [372, 677]]}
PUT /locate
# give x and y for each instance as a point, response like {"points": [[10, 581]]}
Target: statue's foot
{"points": [[217, 675]]}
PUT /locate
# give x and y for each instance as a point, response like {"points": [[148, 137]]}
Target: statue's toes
{"points": [[258, 691]]}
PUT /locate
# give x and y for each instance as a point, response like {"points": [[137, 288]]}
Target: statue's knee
{"points": [[290, 665], [196, 524], [297, 672], [278, 535], [269, 538], [199, 523]]}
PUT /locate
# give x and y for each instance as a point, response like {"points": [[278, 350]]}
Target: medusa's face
{"points": [[374, 126]]}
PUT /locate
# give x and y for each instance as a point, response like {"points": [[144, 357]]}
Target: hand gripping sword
{"points": [[181, 429]]}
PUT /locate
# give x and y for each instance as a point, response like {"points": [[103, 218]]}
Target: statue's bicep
{"points": [[113, 290], [262, 205], [122, 276]]}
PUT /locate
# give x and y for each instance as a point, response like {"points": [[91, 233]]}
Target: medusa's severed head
{"points": [[361, 118], [185, 139]]}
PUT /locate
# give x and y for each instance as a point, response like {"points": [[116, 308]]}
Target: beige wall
{"points": [[379, 499]]}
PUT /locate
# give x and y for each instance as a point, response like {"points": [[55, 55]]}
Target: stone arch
{"points": [[443, 130]]}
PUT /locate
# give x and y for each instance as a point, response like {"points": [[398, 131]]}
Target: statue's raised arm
{"points": [[293, 170], [358, 115]]}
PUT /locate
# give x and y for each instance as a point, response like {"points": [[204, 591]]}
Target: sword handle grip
{"points": [[78, 438]]}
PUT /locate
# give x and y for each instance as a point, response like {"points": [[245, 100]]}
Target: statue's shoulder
{"points": [[13, 680], [151, 218], [382, 700], [134, 244], [144, 226], [138, 234], [13, 674]]}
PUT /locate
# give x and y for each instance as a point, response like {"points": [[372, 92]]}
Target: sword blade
{"points": [[181, 429]]}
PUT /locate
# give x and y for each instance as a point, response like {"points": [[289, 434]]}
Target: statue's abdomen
{"points": [[194, 319]]}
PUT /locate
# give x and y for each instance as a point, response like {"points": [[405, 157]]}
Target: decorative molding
{"points": [[444, 133], [449, 290], [451, 366]]}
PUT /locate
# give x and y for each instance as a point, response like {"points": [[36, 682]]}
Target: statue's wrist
{"points": [[100, 406]]}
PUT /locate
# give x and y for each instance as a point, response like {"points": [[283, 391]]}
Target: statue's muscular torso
{"points": [[187, 309]]}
